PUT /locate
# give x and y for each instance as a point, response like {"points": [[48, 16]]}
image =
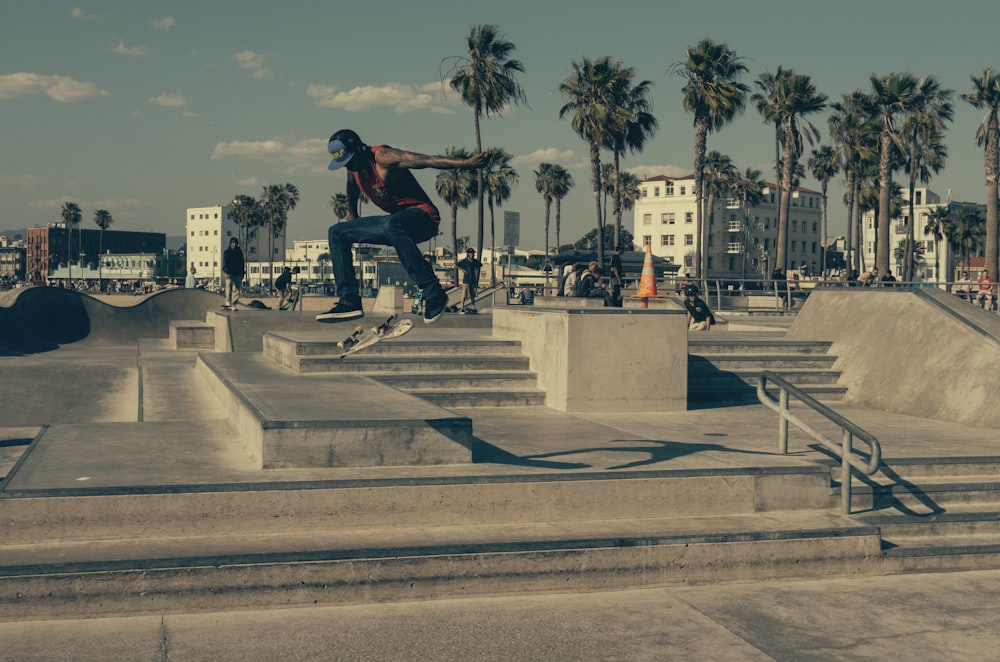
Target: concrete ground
{"points": [[910, 617], [914, 617]]}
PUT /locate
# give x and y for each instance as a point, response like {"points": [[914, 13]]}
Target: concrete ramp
{"points": [[917, 352], [41, 319]]}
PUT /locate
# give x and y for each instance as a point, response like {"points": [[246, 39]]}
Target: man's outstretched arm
{"points": [[390, 157]]}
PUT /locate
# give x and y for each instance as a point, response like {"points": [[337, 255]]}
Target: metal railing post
{"points": [[783, 422], [845, 471]]}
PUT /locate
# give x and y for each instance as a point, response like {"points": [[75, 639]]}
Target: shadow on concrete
{"points": [[41, 319], [657, 452]]}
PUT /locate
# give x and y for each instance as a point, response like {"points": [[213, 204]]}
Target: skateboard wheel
{"points": [[340, 345]]}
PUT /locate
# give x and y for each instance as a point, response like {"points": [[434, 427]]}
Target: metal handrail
{"points": [[845, 449]]}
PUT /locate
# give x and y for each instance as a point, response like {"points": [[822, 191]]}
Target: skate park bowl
{"points": [[41, 319]]}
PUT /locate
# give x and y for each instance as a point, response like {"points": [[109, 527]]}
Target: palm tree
{"points": [[457, 188], [486, 80], [917, 255], [719, 171], [891, 98], [715, 96], [937, 224], [765, 100], [747, 188], [544, 185], [562, 183], [630, 193], [499, 178], [638, 124], [824, 164], [323, 259], [922, 131], [276, 201], [854, 138], [965, 232], [797, 97], [71, 214], [587, 93], [338, 203], [103, 220], [247, 213], [986, 94]]}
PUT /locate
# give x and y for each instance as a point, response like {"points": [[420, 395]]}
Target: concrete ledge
{"points": [[389, 300], [191, 334], [602, 359], [340, 421]]}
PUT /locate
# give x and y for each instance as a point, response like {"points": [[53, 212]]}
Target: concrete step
{"points": [[481, 397], [942, 553], [721, 345], [191, 334], [706, 374], [354, 566], [281, 424], [460, 380], [960, 520], [775, 362], [739, 392], [927, 496], [369, 363], [923, 467], [438, 498]]}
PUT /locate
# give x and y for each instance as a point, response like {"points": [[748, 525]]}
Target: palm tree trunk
{"points": [[822, 239], [100, 265], [558, 210], [882, 249], [595, 174], [480, 193], [700, 143], [992, 220], [849, 256], [493, 246]]}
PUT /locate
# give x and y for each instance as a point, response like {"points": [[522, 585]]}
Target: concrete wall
{"points": [[602, 359], [918, 352]]}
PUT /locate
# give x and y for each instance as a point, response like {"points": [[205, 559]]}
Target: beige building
{"points": [[741, 242]]}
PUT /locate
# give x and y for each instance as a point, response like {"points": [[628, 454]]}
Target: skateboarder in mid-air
{"points": [[383, 174]]}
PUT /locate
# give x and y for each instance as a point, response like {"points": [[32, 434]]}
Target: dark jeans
{"points": [[402, 230]]}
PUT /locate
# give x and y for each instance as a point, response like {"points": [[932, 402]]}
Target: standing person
{"points": [[283, 283], [190, 281], [234, 267], [471, 268], [699, 317], [616, 277], [383, 174]]}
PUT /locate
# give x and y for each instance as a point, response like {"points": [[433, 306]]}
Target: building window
{"points": [[795, 226], [689, 240], [669, 190], [815, 228], [647, 219], [647, 240], [793, 246], [734, 247], [683, 190], [688, 216], [814, 247], [656, 191], [667, 218], [667, 240], [688, 261], [917, 197], [735, 225], [644, 192]]}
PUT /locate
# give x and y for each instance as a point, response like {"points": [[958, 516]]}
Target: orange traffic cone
{"points": [[647, 284]]}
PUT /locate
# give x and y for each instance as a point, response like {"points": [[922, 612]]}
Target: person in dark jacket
{"points": [[235, 268]]}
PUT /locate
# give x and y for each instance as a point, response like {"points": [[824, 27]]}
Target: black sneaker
{"points": [[346, 309], [435, 304]]}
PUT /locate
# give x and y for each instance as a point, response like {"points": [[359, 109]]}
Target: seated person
{"points": [[964, 288], [590, 285], [700, 318], [985, 296]]}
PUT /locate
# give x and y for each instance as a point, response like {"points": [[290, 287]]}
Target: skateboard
{"points": [[358, 340], [290, 302]]}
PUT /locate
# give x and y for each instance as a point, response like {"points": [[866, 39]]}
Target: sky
{"points": [[148, 108]]}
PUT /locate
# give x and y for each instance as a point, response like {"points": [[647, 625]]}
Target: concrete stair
{"points": [[450, 373], [723, 368], [935, 514], [356, 541], [191, 334]]}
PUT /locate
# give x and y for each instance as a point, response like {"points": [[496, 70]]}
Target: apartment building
{"points": [[741, 242]]}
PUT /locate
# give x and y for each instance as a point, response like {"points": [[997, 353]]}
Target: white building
{"points": [[665, 218], [938, 261], [207, 232]]}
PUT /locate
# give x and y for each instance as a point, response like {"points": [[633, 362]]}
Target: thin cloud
{"points": [[190, 113], [302, 154], [251, 182], [647, 171], [253, 62], [81, 15], [164, 23], [401, 97], [18, 183], [58, 88], [169, 100], [546, 155], [131, 51]]}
